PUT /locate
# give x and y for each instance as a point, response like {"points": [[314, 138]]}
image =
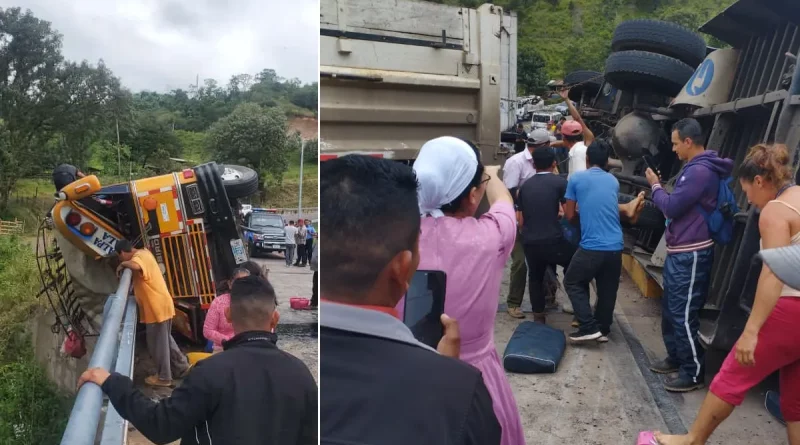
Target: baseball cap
{"points": [[539, 137], [784, 263], [571, 128]]}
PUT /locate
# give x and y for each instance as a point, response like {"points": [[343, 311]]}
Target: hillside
{"points": [[575, 34]]}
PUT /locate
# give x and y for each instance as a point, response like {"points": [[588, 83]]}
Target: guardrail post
{"points": [[85, 416]]}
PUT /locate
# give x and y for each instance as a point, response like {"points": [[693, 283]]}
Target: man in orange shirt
{"points": [[156, 311]]}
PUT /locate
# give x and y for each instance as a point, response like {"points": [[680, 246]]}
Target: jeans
{"points": [[539, 257], [604, 267], [289, 254], [686, 280], [301, 254], [519, 273], [315, 290], [309, 250]]}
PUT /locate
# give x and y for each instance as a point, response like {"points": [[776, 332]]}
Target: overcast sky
{"points": [[163, 44]]}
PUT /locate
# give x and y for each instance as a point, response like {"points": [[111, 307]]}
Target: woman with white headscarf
{"points": [[473, 253]]}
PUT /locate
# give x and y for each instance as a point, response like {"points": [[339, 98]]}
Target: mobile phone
{"points": [[649, 164], [424, 306]]}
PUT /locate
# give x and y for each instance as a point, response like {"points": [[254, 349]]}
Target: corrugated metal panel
{"points": [[744, 19]]}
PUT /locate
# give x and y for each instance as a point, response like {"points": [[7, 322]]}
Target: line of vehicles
{"points": [[393, 79]]}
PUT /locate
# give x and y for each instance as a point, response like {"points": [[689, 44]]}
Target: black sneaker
{"points": [[603, 338], [664, 367], [679, 384], [579, 337]]}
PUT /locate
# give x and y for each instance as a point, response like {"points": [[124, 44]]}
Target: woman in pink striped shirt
{"points": [[217, 328]]}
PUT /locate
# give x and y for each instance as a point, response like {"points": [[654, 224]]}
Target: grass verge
{"points": [[32, 410]]}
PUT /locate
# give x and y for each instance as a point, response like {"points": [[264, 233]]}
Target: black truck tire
{"points": [[659, 37], [584, 81], [650, 218], [245, 185], [629, 70]]}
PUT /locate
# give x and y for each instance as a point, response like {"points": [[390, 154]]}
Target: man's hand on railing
{"points": [[97, 376]]}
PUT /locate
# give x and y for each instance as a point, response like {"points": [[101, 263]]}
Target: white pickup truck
{"points": [[395, 75]]}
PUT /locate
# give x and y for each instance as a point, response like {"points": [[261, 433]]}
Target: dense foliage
{"points": [[32, 411], [559, 36], [54, 111]]}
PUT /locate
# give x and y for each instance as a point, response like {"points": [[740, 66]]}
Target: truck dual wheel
{"points": [[585, 81], [630, 70], [239, 181], [655, 36]]}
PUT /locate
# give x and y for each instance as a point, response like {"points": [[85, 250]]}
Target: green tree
{"points": [[252, 136], [91, 99], [531, 75], [152, 141], [305, 96], [30, 55]]}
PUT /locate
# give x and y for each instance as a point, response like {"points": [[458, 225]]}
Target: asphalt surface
{"points": [[602, 394]]}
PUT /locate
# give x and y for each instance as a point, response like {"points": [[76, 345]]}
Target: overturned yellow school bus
{"points": [[189, 220]]}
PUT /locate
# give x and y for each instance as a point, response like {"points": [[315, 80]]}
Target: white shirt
{"points": [[518, 169], [577, 158], [291, 231]]}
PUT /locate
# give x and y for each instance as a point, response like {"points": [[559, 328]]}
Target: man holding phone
{"points": [[381, 384]]}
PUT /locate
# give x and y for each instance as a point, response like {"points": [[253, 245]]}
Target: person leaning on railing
{"points": [[250, 394]]}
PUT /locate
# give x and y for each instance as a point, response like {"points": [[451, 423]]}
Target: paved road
{"points": [[288, 282], [599, 395]]}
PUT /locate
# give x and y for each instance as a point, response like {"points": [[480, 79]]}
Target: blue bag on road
{"points": [[534, 348]]}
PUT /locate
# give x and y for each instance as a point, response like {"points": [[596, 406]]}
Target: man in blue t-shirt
{"points": [[310, 235], [599, 257]]}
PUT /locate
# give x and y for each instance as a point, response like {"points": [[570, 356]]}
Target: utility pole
{"points": [[119, 155], [300, 201]]}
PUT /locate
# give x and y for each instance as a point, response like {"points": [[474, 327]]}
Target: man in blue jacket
{"points": [[690, 252]]}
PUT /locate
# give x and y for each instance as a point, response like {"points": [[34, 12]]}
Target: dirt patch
{"points": [[308, 127]]}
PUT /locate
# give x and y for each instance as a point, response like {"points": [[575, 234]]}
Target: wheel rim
{"points": [[229, 174]]}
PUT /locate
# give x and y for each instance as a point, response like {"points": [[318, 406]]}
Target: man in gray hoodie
{"points": [[690, 252]]}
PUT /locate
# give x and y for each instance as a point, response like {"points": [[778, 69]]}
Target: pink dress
{"points": [[216, 327], [473, 253]]}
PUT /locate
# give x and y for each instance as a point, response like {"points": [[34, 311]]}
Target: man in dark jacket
{"points": [[252, 393], [690, 252], [522, 137], [65, 174], [382, 386]]}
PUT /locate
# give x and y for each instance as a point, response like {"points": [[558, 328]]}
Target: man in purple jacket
{"points": [[690, 252]]}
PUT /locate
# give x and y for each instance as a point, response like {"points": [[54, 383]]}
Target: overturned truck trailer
{"points": [[393, 77], [742, 96]]}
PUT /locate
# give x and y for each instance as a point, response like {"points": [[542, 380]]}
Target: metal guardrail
{"points": [[111, 349]]}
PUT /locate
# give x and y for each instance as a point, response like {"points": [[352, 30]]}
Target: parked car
{"points": [[544, 119], [264, 232], [563, 108]]}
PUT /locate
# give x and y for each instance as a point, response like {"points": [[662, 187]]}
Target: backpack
{"points": [[720, 220]]}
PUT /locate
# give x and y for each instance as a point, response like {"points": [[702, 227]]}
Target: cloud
{"points": [[164, 44]]}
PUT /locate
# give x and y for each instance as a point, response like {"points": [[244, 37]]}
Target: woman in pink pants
{"points": [[771, 337]]}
